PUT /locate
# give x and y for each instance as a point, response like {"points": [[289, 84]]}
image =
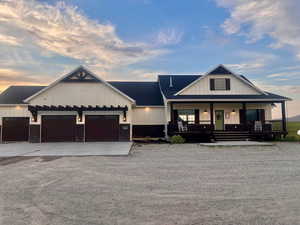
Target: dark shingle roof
{"points": [[178, 81], [220, 70], [144, 93], [16, 94]]}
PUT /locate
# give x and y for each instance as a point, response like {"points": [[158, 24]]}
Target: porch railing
{"points": [[205, 126], [191, 128]]}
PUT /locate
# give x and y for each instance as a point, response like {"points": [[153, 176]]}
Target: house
{"points": [[81, 106]]}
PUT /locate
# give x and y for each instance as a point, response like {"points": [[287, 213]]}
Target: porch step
{"points": [[232, 136]]}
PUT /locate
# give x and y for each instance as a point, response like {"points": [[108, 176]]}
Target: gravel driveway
{"points": [[158, 184]]}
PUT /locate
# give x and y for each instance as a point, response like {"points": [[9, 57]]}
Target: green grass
{"points": [[292, 127]]}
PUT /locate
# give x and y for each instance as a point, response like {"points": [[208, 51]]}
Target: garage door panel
{"points": [[15, 129], [58, 128], [101, 128]]}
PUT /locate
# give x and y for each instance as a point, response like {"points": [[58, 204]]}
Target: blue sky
{"points": [[138, 39]]}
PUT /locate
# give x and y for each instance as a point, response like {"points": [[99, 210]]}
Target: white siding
{"points": [[148, 116], [80, 94], [202, 87], [13, 111]]}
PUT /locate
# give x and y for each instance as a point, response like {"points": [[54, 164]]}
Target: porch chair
{"points": [[257, 126], [181, 126]]}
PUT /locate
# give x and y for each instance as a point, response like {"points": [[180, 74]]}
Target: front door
{"points": [[219, 119]]}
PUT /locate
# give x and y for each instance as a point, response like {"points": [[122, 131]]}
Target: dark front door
{"points": [[58, 128], [219, 114], [15, 129], [101, 128]]}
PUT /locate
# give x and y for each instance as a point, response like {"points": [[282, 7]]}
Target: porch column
{"points": [[171, 112], [244, 115], [283, 112], [212, 115]]}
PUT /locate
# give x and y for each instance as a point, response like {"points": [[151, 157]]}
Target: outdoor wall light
{"points": [[147, 109], [233, 111], [124, 116], [205, 110]]}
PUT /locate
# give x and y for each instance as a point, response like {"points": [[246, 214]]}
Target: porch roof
{"points": [[242, 98]]}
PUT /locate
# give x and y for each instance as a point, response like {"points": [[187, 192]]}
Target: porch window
{"points": [[254, 114], [187, 115]]}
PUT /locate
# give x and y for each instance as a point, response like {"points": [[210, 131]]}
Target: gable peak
{"points": [[220, 69], [81, 74]]}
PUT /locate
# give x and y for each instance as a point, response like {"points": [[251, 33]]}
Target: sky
{"points": [[41, 40]]}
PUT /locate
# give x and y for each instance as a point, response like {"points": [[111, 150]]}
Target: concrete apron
{"points": [[66, 149], [237, 143]]}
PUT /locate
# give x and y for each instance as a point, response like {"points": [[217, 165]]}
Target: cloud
{"points": [[292, 91], [169, 36], [15, 77], [287, 74], [255, 19], [252, 61], [61, 29], [9, 40], [246, 66], [280, 89]]}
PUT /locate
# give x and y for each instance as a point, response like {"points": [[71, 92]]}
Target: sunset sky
{"points": [[41, 40]]}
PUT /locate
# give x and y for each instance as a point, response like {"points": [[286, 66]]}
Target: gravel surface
{"points": [[156, 185]]}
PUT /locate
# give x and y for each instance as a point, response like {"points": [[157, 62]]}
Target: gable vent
{"points": [[171, 82]]}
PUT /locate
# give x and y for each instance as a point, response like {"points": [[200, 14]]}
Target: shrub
{"points": [[177, 139]]}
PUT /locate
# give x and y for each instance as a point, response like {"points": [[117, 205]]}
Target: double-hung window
{"points": [[187, 115], [220, 84]]}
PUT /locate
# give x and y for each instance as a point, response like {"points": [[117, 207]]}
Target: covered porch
{"points": [[225, 119]]}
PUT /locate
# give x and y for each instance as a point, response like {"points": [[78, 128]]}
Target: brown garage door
{"points": [[101, 128], [58, 128], [15, 128]]}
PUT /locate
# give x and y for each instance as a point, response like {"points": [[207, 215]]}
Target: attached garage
{"points": [[101, 128], [58, 128], [15, 129]]}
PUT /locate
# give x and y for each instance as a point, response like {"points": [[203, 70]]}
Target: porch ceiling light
{"points": [[233, 111], [205, 110]]}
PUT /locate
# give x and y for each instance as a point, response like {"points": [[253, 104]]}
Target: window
{"points": [[254, 114], [220, 84], [187, 115]]}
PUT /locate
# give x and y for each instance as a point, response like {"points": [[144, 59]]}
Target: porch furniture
{"points": [[182, 127], [258, 126]]}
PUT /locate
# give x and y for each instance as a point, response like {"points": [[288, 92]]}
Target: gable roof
{"points": [[144, 93], [16, 94], [71, 74], [181, 81], [222, 68]]}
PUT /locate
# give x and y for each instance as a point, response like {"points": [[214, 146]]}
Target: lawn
{"points": [[292, 127]]}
